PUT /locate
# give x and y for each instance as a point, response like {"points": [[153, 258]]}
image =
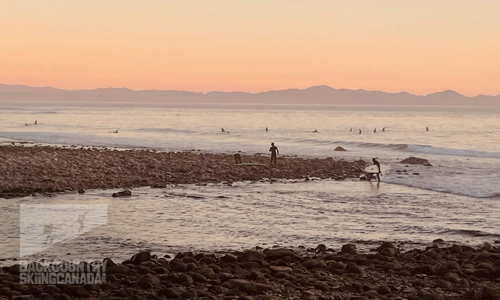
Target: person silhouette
{"points": [[222, 130], [375, 162], [360, 131], [383, 129], [267, 129], [426, 128], [375, 130], [274, 151]]}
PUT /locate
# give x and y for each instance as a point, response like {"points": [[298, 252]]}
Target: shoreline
{"points": [[50, 169], [436, 272]]}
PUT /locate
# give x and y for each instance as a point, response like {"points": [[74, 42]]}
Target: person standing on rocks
{"points": [[274, 151]]}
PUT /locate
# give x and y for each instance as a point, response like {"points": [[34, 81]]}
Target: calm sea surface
{"points": [[457, 199]]}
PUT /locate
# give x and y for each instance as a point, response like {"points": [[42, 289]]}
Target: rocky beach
{"points": [[35, 169], [434, 273], [390, 271]]}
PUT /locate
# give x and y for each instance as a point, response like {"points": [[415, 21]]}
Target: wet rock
{"points": [[277, 269], [33, 290], [339, 148], [257, 276], [415, 161], [122, 193], [161, 270], [189, 294], [251, 255], [393, 266], [140, 257], [491, 293], [207, 272], [198, 278], [354, 269], [146, 284], [207, 260], [117, 270], [425, 269], [310, 264], [284, 254], [282, 275], [63, 297], [384, 290], [456, 248], [348, 249], [185, 280], [322, 286], [388, 249], [178, 266], [244, 285], [170, 293], [228, 258]]}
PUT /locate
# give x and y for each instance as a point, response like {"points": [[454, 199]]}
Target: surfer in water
{"points": [[274, 151], [375, 162]]}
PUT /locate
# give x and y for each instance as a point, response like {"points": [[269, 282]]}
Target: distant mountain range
{"points": [[314, 95]]}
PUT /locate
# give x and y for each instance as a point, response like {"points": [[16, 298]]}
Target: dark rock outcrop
{"points": [[415, 161]]}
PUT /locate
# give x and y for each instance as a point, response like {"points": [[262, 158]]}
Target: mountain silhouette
{"points": [[322, 94]]}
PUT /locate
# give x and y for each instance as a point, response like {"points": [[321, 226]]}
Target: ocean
{"points": [[456, 199]]}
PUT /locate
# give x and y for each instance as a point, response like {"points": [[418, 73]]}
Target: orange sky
{"points": [[226, 45]]}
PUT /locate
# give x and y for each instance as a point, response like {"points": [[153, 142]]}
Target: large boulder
{"points": [[415, 161]]}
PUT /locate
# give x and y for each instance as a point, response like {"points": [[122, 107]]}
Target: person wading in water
{"points": [[375, 162]]}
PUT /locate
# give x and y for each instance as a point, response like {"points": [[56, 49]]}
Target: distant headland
{"points": [[323, 95]]}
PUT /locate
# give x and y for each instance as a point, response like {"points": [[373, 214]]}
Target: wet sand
{"points": [[45, 169]]}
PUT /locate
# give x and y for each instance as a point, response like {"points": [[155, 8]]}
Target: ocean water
{"points": [[456, 199]]}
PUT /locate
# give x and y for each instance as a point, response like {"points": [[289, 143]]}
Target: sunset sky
{"points": [[234, 45]]}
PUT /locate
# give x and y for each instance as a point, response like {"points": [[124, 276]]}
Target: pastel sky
{"points": [[418, 46]]}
